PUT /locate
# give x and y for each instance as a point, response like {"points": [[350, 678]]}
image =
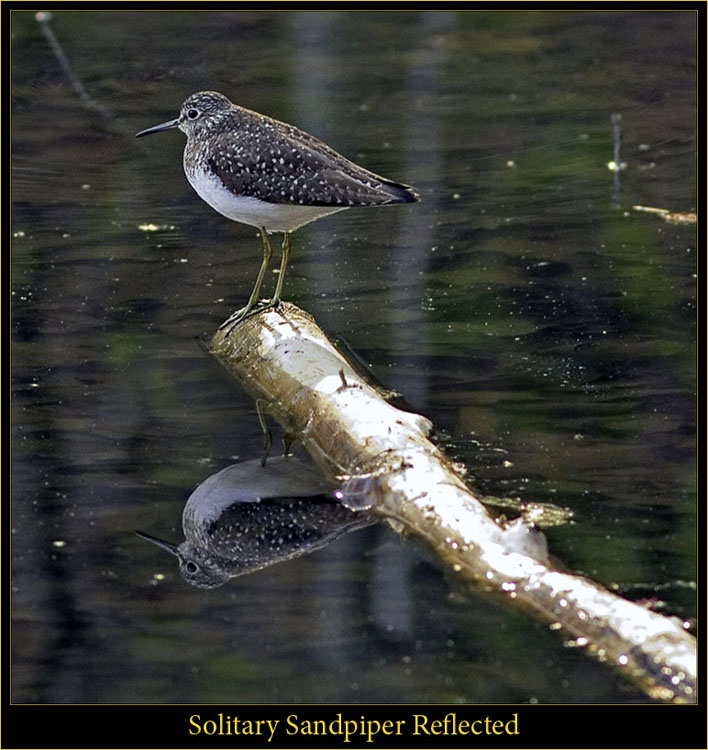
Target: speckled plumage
{"points": [[247, 517], [265, 173]]}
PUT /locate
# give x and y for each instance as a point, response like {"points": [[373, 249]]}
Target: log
{"points": [[387, 464]]}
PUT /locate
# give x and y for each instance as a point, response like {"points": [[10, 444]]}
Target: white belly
{"points": [[275, 217]]}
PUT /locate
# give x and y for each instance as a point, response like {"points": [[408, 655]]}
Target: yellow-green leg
{"points": [[267, 437], [239, 315], [281, 276]]}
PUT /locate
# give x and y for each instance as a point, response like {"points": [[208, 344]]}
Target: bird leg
{"points": [[267, 436], [281, 276], [236, 317]]}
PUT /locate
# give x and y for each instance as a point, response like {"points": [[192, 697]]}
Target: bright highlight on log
{"points": [[388, 465]]}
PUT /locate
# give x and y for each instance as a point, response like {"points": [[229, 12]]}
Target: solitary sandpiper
{"points": [[259, 171]]}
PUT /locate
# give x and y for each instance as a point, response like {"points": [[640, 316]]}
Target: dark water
{"points": [[545, 327]]}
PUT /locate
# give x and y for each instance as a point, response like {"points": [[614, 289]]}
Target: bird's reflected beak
{"points": [[159, 542], [157, 128]]}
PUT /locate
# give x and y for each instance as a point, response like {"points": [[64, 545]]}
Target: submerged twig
{"points": [[88, 101]]}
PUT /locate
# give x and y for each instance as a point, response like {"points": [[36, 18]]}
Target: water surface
{"points": [[546, 328]]}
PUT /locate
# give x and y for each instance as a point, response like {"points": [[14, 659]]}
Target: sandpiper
{"points": [[268, 174], [245, 518]]}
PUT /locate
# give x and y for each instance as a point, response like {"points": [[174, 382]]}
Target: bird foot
{"points": [[245, 312]]}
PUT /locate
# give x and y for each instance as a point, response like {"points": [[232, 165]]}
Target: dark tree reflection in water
{"points": [[546, 328]]}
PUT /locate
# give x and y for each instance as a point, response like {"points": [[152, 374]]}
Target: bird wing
{"points": [[297, 168]]}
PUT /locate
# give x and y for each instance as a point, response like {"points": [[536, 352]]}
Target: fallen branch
{"points": [[676, 217], [388, 465]]}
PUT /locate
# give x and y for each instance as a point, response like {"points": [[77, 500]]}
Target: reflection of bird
{"points": [[268, 174], [247, 517]]}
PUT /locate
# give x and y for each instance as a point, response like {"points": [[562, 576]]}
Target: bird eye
{"points": [[192, 114], [191, 567]]}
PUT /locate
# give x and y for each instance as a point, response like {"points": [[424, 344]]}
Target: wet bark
{"points": [[387, 464]]}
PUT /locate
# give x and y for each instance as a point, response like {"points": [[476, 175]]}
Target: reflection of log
{"points": [[284, 360]]}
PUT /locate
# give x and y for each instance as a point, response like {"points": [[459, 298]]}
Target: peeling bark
{"points": [[388, 465]]}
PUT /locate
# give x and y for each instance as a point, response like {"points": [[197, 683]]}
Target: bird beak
{"points": [[157, 128], [159, 542]]}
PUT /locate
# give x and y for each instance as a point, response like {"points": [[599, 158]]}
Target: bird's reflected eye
{"points": [[193, 113], [191, 567]]}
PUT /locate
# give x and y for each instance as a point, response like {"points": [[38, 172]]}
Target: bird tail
{"points": [[401, 193]]}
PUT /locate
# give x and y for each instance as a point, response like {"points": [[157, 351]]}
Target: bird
{"points": [[260, 171], [245, 518]]}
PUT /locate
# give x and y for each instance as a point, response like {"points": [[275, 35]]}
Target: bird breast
{"points": [[275, 217]]}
